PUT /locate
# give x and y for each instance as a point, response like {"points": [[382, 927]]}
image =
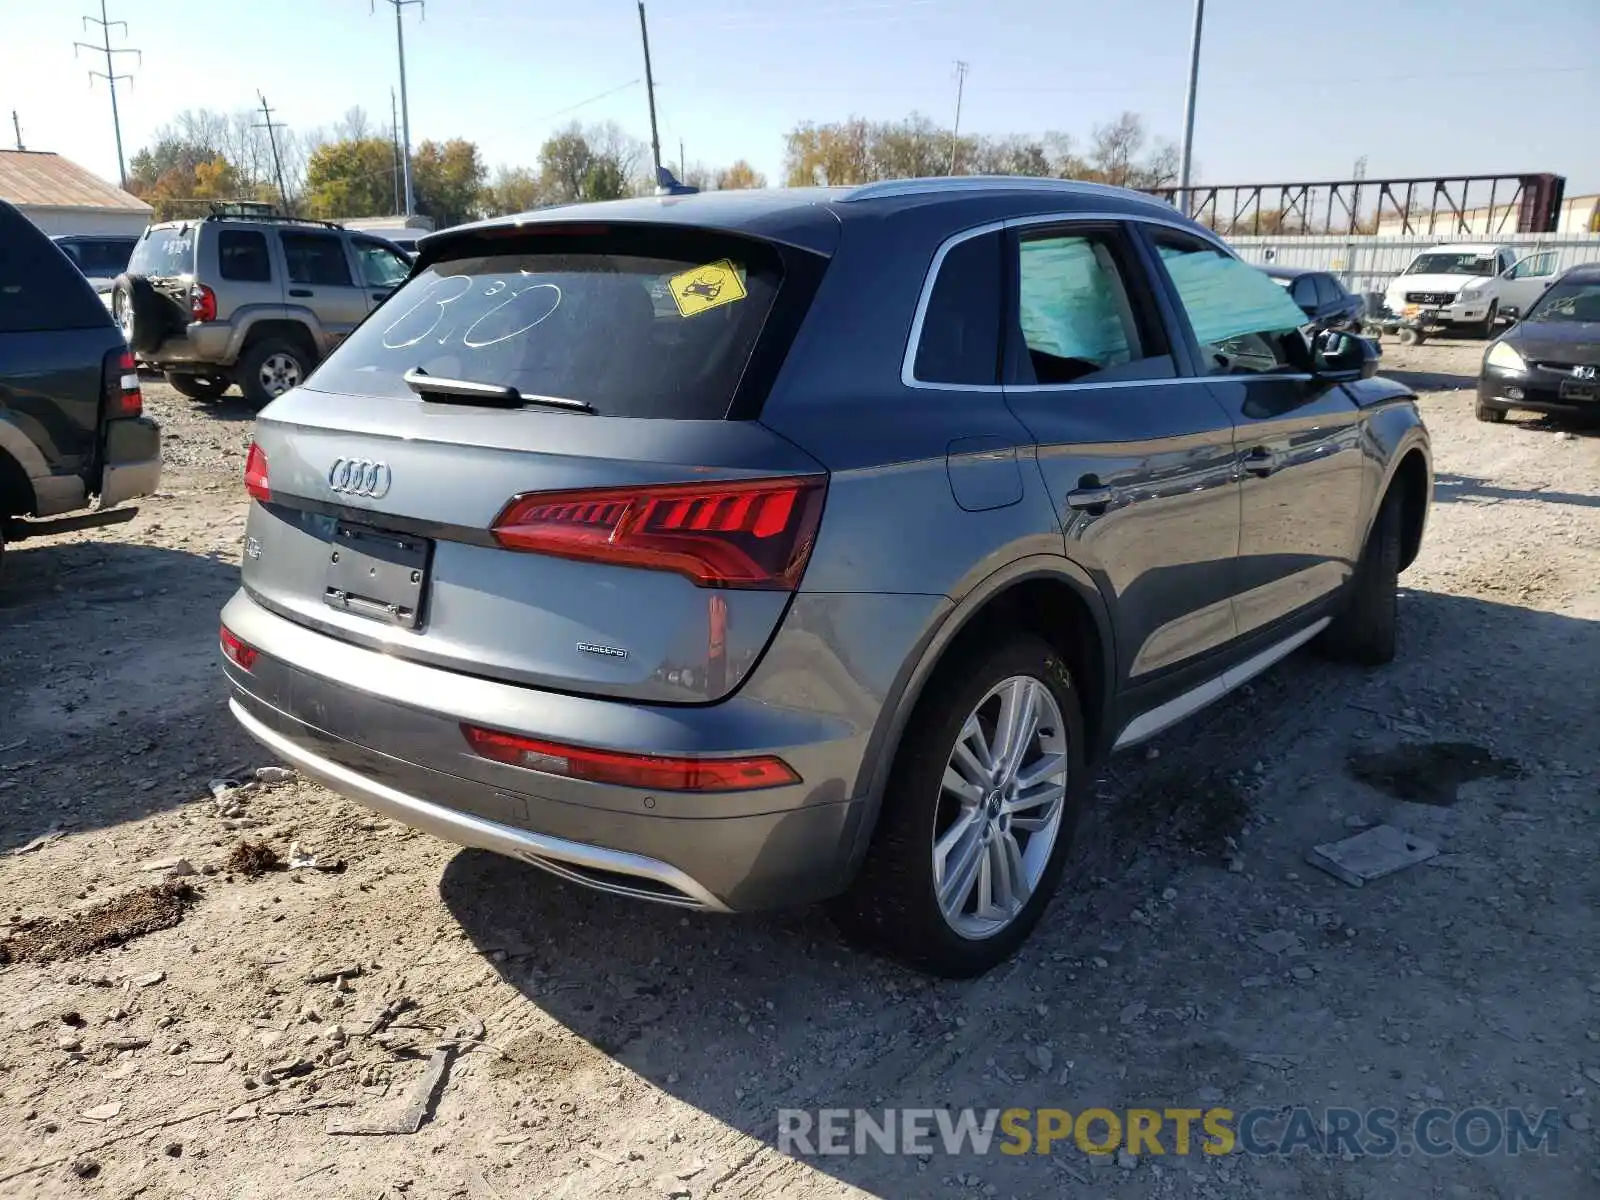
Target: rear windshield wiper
{"points": [[492, 395]]}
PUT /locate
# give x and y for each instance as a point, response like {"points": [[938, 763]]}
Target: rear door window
{"points": [[39, 287], [242, 256], [642, 324], [316, 258], [1328, 291], [163, 252], [1078, 319]]}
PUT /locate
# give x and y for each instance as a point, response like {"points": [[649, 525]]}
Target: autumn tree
{"points": [[514, 190], [164, 173], [447, 179], [740, 175], [351, 179], [595, 163], [859, 151]]}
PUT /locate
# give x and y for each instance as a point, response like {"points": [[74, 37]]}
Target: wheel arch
{"points": [[16, 489], [1050, 596], [288, 328], [1410, 477]]}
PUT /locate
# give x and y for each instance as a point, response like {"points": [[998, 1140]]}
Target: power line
{"points": [[955, 130], [405, 111], [272, 138], [110, 74], [561, 112]]}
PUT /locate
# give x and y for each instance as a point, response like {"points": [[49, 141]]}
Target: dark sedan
{"points": [[1321, 297], [1548, 362]]}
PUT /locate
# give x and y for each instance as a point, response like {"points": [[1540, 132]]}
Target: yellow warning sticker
{"points": [[707, 287]]}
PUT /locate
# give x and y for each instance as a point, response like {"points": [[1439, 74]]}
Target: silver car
{"points": [[759, 548]]}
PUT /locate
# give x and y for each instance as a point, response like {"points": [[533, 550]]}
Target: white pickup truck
{"points": [[1471, 286]]}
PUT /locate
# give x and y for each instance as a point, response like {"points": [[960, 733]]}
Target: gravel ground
{"points": [[599, 1048]]}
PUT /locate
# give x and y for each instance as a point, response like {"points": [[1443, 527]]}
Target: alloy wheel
{"points": [[279, 373], [1000, 807]]}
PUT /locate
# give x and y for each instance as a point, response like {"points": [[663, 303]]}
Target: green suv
{"points": [[251, 300]]}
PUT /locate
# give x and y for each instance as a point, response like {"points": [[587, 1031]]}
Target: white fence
{"points": [[1367, 264]]}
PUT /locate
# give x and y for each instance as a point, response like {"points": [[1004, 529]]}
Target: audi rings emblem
{"points": [[359, 477]]}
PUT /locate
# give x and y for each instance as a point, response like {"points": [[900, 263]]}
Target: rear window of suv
{"points": [[164, 251], [39, 287], [635, 325]]}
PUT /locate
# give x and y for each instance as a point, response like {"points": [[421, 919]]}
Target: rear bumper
{"points": [[386, 733], [133, 460]]}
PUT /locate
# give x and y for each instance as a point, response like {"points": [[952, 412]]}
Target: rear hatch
{"points": [[536, 462], [166, 255]]}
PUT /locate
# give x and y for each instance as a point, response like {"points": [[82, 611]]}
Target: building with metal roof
{"points": [[59, 196]]}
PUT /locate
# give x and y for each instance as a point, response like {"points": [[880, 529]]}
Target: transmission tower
{"points": [[110, 74]]}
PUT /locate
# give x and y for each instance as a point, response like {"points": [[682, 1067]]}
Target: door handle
{"points": [[1090, 499], [300, 292], [1260, 461]]}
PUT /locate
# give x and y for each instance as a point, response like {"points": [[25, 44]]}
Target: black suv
{"points": [[72, 429]]}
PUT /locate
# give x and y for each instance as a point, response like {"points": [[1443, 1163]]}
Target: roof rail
{"points": [[226, 214], [961, 183]]}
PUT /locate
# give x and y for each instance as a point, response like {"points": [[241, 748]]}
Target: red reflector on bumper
{"points": [[631, 770], [237, 652]]}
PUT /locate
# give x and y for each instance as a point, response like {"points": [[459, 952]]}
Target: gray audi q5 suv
{"points": [[757, 548]]}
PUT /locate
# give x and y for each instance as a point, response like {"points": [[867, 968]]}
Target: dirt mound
{"points": [[252, 860], [120, 920]]}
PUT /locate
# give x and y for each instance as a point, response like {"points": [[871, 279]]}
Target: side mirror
{"points": [[1341, 357]]}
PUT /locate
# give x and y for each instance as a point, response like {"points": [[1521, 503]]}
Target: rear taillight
{"points": [[236, 651], [733, 534], [255, 474], [202, 302], [631, 770], [120, 377]]}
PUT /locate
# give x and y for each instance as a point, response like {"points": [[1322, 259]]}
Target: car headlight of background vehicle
{"points": [[1504, 355]]}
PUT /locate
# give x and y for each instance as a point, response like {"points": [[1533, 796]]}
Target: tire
{"points": [[1486, 330], [143, 314], [1487, 413], [199, 387], [1410, 337], [1365, 630], [270, 368], [893, 905]]}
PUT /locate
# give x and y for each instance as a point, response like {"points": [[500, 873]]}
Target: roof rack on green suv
{"points": [[245, 295]]}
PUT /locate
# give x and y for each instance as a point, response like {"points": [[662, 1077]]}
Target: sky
{"points": [[1287, 92]]}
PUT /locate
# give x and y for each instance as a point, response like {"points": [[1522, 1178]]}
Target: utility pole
{"points": [[955, 130], [16, 123], [650, 90], [110, 74], [683, 166], [405, 111], [394, 136], [272, 138], [1186, 161]]}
